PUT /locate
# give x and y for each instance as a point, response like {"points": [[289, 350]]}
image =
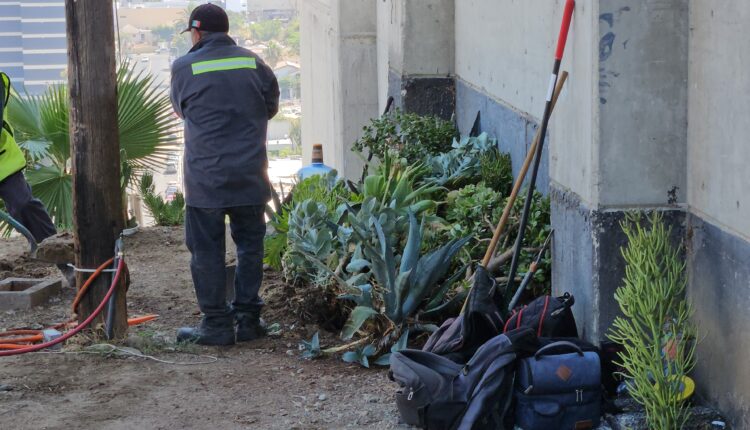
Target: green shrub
{"points": [[170, 213], [461, 165], [473, 211], [655, 329], [496, 171], [412, 136], [322, 189], [309, 238]]}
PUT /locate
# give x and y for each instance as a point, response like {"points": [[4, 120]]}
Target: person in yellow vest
{"points": [[14, 190]]}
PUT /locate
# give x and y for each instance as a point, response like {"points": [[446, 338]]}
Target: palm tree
{"points": [[41, 125]]}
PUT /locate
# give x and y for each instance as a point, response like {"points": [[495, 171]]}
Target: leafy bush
{"points": [[473, 211], [323, 189], [412, 136], [655, 330], [170, 213], [309, 237], [462, 164]]}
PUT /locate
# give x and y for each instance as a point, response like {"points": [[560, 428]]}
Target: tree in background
{"points": [[291, 37], [238, 25], [273, 54], [295, 133], [266, 30]]}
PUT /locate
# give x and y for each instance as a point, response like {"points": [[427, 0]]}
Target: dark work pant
{"points": [[206, 240], [24, 208]]}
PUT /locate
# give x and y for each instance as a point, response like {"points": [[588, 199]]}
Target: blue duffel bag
{"points": [[559, 388]]}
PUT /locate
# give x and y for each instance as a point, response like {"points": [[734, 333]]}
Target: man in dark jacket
{"points": [[226, 95]]}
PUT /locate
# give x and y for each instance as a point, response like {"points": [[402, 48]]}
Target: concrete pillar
{"points": [[635, 155], [416, 55], [339, 77], [718, 198]]}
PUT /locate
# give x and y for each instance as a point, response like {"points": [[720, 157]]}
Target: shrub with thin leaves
{"points": [[496, 171], [655, 329], [171, 213]]}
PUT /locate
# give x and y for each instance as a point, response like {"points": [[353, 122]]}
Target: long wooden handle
{"points": [[519, 181]]}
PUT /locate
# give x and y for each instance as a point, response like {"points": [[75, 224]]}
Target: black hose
{"points": [[21, 229]]}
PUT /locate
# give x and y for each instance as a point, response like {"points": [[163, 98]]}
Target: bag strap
{"points": [[431, 360], [556, 345]]}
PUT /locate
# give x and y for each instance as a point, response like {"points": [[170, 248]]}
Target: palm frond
{"points": [[41, 123]]}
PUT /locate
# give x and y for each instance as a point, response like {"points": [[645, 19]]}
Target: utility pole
{"points": [[95, 149]]}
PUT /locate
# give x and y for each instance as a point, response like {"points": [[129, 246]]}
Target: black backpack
{"points": [[437, 393], [548, 316], [459, 338]]}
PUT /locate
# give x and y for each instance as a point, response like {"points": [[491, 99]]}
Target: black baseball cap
{"points": [[208, 17]]}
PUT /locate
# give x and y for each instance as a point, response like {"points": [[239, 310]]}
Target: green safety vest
{"points": [[12, 159]]}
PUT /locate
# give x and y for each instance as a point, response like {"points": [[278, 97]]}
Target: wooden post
{"points": [[95, 147]]}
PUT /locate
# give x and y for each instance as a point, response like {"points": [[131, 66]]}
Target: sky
{"points": [[235, 5]]}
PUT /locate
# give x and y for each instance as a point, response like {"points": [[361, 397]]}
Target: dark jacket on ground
{"points": [[226, 95]]}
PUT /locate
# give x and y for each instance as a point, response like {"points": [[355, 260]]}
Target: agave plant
{"points": [[41, 123], [400, 286], [395, 186]]}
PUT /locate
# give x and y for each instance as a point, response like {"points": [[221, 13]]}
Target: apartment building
{"points": [[32, 43]]}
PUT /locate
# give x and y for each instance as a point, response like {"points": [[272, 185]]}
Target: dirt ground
{"points": [[257, 385]]}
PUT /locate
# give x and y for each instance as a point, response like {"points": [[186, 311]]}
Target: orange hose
{"points": [[33, 336], [11, 346], [28, 339], [141, 320], [84, 288], [19, 332]]}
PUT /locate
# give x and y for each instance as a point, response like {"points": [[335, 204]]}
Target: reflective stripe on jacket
{"points": [[12, 159]]}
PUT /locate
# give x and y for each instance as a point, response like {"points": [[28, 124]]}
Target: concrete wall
{"points": [[416, 55], [318, 75], [719, 200], [339, 77], [503, 72]]}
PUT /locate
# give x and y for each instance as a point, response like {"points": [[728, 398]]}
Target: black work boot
{"points": [[212, 332], [250, 326]]}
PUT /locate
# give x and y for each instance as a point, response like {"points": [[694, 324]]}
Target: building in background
{"points": [[272, 9], [33, 46]]}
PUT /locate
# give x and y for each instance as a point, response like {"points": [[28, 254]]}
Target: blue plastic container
{"points": [[316, 167]]}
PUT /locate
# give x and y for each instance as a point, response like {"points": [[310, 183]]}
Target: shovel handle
{"points": [[519, 180]]}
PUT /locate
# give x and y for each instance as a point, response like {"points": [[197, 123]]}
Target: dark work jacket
{"points": [[226, 95]]}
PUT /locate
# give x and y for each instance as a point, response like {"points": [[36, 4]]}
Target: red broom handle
{"points": [[562, 39]]}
